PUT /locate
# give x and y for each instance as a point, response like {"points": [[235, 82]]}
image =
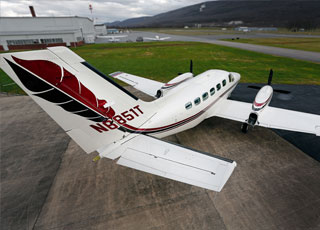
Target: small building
{"points": [[41, 32], [113, 31], [100, 29]]}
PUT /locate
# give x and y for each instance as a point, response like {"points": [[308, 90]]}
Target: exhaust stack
{"points": [[33, 13]]}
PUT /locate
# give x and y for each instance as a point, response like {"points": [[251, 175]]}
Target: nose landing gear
{"points": [[244, 127]]}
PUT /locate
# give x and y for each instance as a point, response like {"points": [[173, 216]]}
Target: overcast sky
{"points": [[103, 11]]}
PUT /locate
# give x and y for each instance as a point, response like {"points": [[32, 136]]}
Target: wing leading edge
{"points": [[175, 162]]}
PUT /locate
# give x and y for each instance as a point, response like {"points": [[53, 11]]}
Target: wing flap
{"points": [[233, 110], [175, 162], [145, 85]]}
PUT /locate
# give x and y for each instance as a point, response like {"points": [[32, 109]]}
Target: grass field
{"points": [[308, 44], [163, 60]]}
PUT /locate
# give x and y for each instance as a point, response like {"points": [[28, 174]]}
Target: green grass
{"points": [[163, 60], [307, 44]]}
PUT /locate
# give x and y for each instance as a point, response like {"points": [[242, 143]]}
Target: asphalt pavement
{"points": [[49, 182]]}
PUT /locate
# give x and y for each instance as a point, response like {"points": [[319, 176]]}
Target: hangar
{"points": [[41, 32]]}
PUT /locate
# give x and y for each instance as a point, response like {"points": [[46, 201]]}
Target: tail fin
{"points": [[89, 106]]}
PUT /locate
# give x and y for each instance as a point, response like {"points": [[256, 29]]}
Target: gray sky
{"points": [[103, 11]]}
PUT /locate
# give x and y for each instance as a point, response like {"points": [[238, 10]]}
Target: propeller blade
{"points": [[191, 66], [281, 91], [254, 87], [270, 77]]}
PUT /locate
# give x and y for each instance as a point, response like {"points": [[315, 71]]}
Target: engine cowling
{"points": [[263, 98], [260, 102], [173, 83]]}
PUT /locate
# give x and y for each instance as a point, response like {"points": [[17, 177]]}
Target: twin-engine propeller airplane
{"points": [[100, 115], [157, 38], [112, 38]]}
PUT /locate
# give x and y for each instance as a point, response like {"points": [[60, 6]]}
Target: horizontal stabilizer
{"points": [[145, 85], [175, 162]]}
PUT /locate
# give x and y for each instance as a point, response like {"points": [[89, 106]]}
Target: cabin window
{"points": [[231, 77], [224, 82], [205, 96], [188, 105], [197, 101], [218, 87], [212, 91]]}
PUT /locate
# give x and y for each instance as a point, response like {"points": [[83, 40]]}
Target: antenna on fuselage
{"points": [[191, 66]]}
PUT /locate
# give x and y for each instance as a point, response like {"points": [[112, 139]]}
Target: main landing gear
{"points": [[244, 127]]}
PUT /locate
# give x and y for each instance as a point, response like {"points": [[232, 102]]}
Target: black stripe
{"points": [[87, 113], [109, 80], [74, 106], [98, 119], [30, 81], [54, 96]]}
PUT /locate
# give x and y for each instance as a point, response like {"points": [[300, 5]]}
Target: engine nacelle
{"points": [[173, 83], [262, 99]]}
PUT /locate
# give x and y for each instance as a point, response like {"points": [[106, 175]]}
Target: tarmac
{"points": [[48, 182], [216, 39]]}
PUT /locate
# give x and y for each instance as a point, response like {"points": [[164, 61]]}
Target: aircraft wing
{"points": [[233, 110], [165, 38], [153, 39], [116, 36], [270, 117], [145, 85], [151, 155]]}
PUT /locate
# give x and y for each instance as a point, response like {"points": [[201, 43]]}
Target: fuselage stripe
{"points": [[130, 128]]}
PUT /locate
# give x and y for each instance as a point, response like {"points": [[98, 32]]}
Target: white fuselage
{"points": [[188, 103]]}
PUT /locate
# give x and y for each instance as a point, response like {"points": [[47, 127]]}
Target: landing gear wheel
{"points": [[244, 127]]}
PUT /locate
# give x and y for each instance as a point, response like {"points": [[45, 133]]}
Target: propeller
{"points": [[254, 87], [191, 68], [270, 77], [269, 83]]}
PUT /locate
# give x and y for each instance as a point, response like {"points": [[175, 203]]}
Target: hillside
{"points": [[220, 13]]}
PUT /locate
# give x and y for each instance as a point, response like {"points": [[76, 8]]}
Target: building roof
{"points": [[40, 17]]}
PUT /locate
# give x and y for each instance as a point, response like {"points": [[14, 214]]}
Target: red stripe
{"points": [[260, 104], [172, 84], [177, 123]]}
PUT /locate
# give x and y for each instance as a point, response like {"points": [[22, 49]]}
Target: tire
{"points": [[244, 127]]}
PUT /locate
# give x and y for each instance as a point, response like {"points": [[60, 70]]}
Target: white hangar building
{"points": [[40, 32]]}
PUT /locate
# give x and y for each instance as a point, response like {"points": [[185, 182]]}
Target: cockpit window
{"points": [[197, 101], [218, 86], [224, 82], [205, 96], [188, 105], [212, 91]]}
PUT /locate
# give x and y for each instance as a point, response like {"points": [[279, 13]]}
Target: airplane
{"points": [[112, 38], [100, 115], [157, 38]]}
